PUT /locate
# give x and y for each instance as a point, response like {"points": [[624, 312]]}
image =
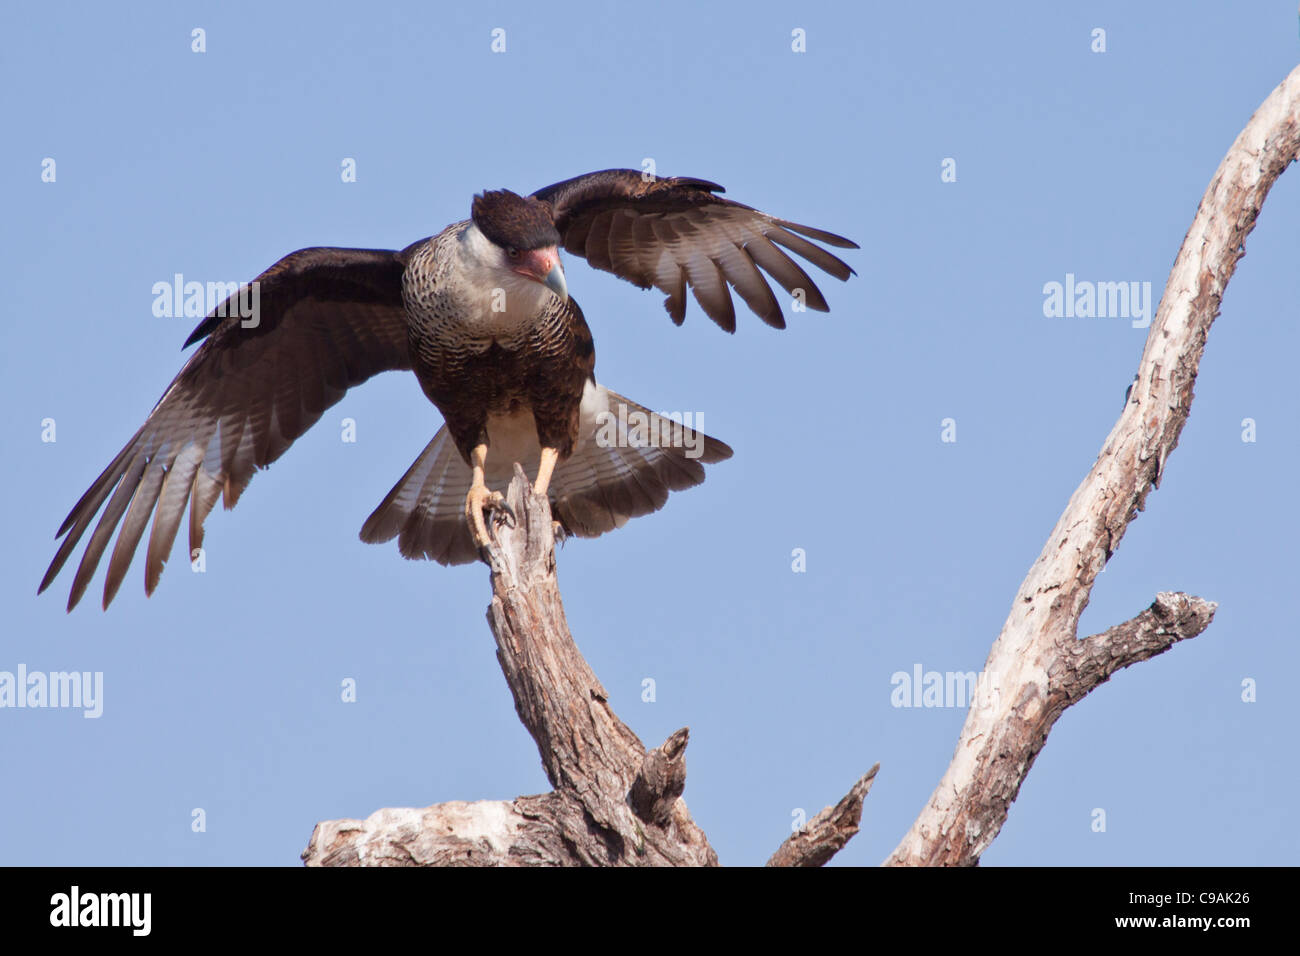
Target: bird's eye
{"points": [[512, 252]]}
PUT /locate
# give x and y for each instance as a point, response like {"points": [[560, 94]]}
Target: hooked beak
{"points": [[543, 265]]}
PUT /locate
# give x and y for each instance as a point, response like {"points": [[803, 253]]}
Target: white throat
{"points": [[500, 301]]}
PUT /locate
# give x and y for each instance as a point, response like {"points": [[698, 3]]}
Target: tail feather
{"points": [[425, 511], [622, 467]]}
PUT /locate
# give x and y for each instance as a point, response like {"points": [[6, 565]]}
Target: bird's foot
{"points": [[480, 500]]}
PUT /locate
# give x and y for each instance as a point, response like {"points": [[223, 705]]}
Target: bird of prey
{"points": [[481, 314]]}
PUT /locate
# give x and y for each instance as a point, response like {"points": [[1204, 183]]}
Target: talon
{"points": [[502, 512], [479, 500]]}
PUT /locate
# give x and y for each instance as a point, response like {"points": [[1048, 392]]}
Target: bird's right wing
{"points": [[325, 320]]}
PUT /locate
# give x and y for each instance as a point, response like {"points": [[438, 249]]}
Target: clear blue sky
{"points": [[222, 692]]}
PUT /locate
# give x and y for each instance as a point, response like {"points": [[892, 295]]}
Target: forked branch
{"points": [[1037, 666]]}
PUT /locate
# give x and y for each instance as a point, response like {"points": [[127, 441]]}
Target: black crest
{"points": [[511, 220]]}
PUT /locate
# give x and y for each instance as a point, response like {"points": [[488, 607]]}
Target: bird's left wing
{"points": [[674, 232], [325, 320]]}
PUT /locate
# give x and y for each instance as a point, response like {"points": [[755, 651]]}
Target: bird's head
{"points": [[522, 229]]}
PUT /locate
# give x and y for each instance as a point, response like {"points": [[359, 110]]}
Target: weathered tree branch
{"points": [[825, 834], [1038, 667], [614, 804], [1171, 618]]}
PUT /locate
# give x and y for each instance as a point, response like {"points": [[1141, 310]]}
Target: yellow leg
{"points": [[544, 470], [480, 499]]}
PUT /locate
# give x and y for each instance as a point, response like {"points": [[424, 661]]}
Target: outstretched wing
{"points": [[671, 233], [323, 320]]}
